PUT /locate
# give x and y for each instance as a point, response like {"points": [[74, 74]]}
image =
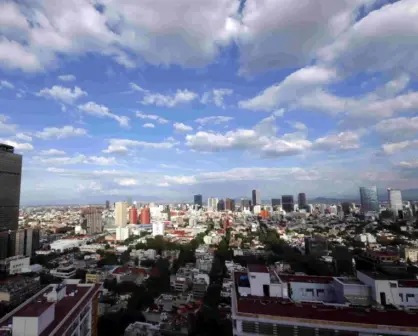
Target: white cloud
{"points": [[381, 41], [52, 152], [148, 125], [157, 118], [180, 127], [341, 141], [299, 126], [103, 111], [395, 147], [285, 34], [398, 128], [23, 137], [290, 89], [409, 164], [19, 146], [216, 96], [63, 94], [60, 133], [124, 146], [136, 87], [6, 84], [74, 160], [214, 120], [6, 127], [127, 182], [180, 97], [67, 78], [15, 56], [55, 170]]}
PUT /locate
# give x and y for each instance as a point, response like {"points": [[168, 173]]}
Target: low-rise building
{"points": [[15, 265], [16, 289]]}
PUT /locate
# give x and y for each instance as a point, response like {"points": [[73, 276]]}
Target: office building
{"points": [[288, 204], [14, 290], [230, 204], [107, 205], [145, 217], [133, 215], [94, 222], [316, 246], [212, 203], [121, 214], [275, 203], [56, 310], [198, 200], [395, 201], [245, 204], [368, 200], [20, 242], [221, 205], [255, 197], [10, 181], [302, 201], [4, 243], [346, 208]]}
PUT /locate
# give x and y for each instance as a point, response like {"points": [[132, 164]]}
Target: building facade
{"points": [[288, 204], [10, 181], [212, 203], [275, 203], [369, 200], [395, 201], [94, 222], [133, 215], [198, 200], [145, 217], [302, 203], [121, 214], [255, 197]]}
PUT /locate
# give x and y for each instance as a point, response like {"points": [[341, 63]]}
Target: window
{"points": [[409, 296], [401, 296], [319, 291], [393, 285], [252, 276]]}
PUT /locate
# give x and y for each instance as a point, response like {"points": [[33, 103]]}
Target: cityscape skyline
{"points": [[205, 113]]}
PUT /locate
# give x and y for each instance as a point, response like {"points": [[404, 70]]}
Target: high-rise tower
{"points": [[368, 199], [10, 180]]}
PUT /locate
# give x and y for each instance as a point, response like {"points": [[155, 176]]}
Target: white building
{"points": [[15, 265], [121, 214], [65, 271], [122, 233], [395, 200], [266, 303], [257, 209], [158, 229], [213, 204]]}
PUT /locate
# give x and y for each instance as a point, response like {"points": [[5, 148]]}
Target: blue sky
{"points": [[161, 100]]}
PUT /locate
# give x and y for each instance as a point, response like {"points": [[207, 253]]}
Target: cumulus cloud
{"points": [[74, 160], [67, 78], [213, 120], [124, 146], [216, 96], [137, 88], [158, 99], [154, 117], [23, 137], [6, 84], [102, 111], [395, 147], [19, 146], [5, 127], [343, 141], [180, 127], [381, 41], [148, 125], [63, 94], [60, 133], [52, 152], [290, 89], [397, 128]]}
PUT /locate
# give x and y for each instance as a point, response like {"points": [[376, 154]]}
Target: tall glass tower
{"points": [[368, 199], [10, 180]]}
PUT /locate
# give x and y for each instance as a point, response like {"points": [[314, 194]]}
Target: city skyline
{"points": [[256, 97]]}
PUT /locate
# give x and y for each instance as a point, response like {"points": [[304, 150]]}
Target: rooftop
{"points": [[258, 268], [76, 297], [305, 278]]}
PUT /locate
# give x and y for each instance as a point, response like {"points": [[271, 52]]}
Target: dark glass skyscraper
{"points": [[275, 202], [198, 200], [302, 201], [256, 197], [368, 199], [10, 180], [288, 204]]}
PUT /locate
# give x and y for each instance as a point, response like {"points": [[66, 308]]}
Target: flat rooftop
{"points": [[39, 304], [278, 307], [305, 278], [258, 268]]}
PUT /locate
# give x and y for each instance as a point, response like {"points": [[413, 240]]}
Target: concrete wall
{"points": [[46, 318], [25, 326], [303, 291], [257, 280]]}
